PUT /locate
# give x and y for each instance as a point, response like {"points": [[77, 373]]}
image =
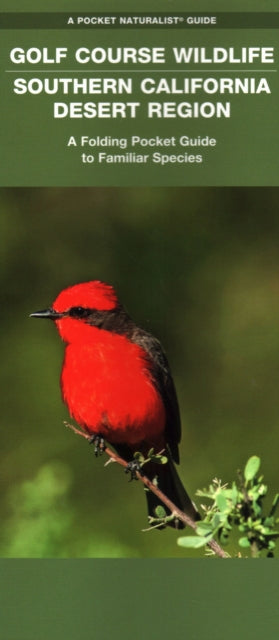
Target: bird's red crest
{"points": [[91, 295]]}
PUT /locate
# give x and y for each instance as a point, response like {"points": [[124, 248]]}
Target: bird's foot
{"points": [[133, 468], [99, 444]]}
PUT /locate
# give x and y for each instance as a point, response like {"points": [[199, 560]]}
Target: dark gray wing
{"points": [[163, 379]]}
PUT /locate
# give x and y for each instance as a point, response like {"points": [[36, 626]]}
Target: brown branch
{"points": [[214, 546]]}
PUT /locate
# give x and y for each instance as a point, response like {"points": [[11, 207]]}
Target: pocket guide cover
{"points": [[172, 98], [139, 149]]}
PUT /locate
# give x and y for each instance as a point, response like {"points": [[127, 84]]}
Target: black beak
{"points": [[47, 313]]}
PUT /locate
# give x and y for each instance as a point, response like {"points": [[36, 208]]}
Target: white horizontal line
{"points": [[141, 71]]}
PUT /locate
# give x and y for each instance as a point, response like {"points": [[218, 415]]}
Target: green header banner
{"points": [[151, 20], [139, 99]]}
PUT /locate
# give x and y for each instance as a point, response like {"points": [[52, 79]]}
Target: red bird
{"points": [[117, 383]]}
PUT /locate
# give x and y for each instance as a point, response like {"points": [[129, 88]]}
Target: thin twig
{"points": [[215, 547]]}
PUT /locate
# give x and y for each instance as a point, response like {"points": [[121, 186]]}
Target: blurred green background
{"points": [[199, 267]]}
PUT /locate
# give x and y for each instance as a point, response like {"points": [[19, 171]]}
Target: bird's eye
{"points": [[79, 312]]}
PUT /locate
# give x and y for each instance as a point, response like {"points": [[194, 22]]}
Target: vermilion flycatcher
{"points": [[117, 384]]}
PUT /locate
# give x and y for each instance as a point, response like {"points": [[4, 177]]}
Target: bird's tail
{"points": [[168, 481]]}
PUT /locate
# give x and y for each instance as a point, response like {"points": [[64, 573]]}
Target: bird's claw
{"points": [[133, 468], [99, 444]]}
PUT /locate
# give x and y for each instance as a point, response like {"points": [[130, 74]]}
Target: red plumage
{"points": [[120, 402], [116, 382]]}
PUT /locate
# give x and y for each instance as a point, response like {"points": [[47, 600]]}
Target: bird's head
{"points": [[77, 308]]}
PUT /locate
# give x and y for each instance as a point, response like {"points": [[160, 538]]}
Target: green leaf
{"points": [[268, 522], [257, 509], [274, 504], [271, 545], [160, 512], [160, 459], [204, 529], [139, 457], [244, 542], [252, 467], [218, 519], [221, 502], [262, 490], [234, 494], [193, 542], [269, 532]]}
